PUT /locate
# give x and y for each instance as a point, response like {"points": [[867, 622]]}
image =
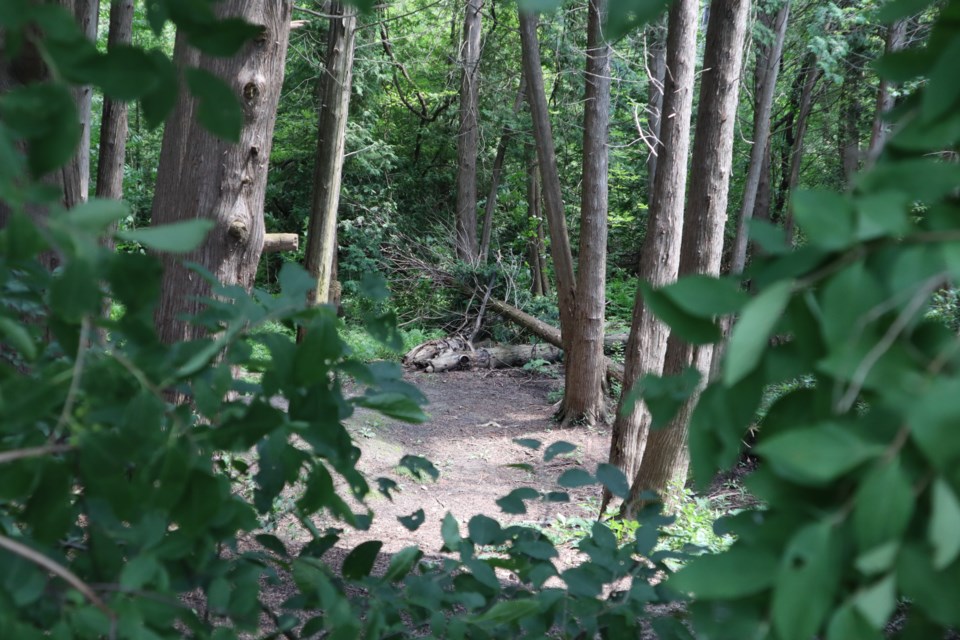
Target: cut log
{"points": [[546, 332], [277, 242], [495, 357]]}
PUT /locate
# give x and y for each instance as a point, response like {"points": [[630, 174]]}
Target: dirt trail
{"points": [[473, 419]]}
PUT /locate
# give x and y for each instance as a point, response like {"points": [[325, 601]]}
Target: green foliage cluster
{"points": [[115, 503]]}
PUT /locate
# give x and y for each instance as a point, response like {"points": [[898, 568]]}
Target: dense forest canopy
{"points": [[223, 222]]}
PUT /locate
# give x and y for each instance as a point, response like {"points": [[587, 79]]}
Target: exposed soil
{"points": [[474, 418]]}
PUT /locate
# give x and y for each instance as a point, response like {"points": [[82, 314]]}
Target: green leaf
{"points": [[218, 109], [374, 286], [706, 296], [613, 479], [882, 214], [663, 395], [17, 336], [751, 333], [826, 218], [485, 530], [769, 236], [848, 624], [876, 603], [942, 91], [401, 564], [273, 543], [359, 562], [878, 559], [944, 525], [933, 418], [413, 521], [917, 178], [179, 237], [817, 455], [224, 38], [687, 326], [124, 72], [805, 585], [75, 292], [44, 114], [897, 9], [450, 532], [161, 99], [572, 478], [884, 505], [623, 16], [558, 448], [139, 571], [96, 214], [709, 577], [394, 405], [508, 611], [513, 501]]}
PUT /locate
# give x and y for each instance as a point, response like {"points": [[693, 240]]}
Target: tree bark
{"points": [[335, 88], [848, 134], [279, 242], [113, 123], [657, 69], [496, 175], [896, 35], [549, 176], [665, 458], [201, 176], [770, 59], [466, 223], [660, 254], [76, 173], [811, 77], [535, 247], [583, 398]]}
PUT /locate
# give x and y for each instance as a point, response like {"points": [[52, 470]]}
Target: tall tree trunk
{"points": [[660, 254], [759, 153], [113, 123], [466, 223], [665, 459], [535, 247], [202, 176], [848, 134], [657, 69], [583, 398], [496, 175], [549, 176], [335, 88], [811, 77], [76, 173], [896, 35]]}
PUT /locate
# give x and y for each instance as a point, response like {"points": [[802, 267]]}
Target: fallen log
{"points": [[277, 242], [494, 357], [546, 332]]}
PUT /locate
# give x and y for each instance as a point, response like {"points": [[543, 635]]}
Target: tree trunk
{"points": [[76, 173], [335, 87], [759, 153], [660, 254], [657, 69], [811, 77], [848, 134], [495, 176], [535, 228], [466, 223], [665, 458], [201, 176], [113, 123], [896, 35], [583, 398], [549, 176]]}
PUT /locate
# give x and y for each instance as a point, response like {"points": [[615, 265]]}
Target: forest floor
{"points": [[474, 418]]}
